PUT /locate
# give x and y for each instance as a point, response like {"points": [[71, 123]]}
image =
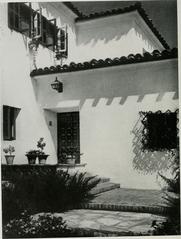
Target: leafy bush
{"points": [[45, 225], [171, 226], [10, 206], [46, 192], [10, 173]]}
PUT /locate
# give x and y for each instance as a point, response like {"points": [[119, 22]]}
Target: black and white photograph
{"points": [[89, 119]]}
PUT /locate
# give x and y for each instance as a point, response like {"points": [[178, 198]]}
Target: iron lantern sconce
{"points": [[57, 85]]}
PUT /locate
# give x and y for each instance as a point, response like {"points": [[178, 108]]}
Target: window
{"points": [[19, 17], [22, 18], [9, 122], [36, 23], [49, 33], [160, 130], [62, 43], [13, 16]]}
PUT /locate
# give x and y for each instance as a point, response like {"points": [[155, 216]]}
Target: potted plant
{"points": [[9, 156], [42, 157], [69, 155], [32, 155]]}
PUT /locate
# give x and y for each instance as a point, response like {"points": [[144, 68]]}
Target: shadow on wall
{"points": [[107, 83], [106, 33], [110, 87], [51, 13], [146, 161], [139, 100]]}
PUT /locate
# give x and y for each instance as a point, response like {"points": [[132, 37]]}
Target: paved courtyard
{"points": [[135, 197], [112, 221]]}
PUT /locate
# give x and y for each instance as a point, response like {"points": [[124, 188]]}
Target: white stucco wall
{"points": [[114, 36], [102, 38], [18, 90], [109, 101]]}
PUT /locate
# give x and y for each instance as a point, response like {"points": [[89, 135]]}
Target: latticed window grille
{"points": [[159, 130]]}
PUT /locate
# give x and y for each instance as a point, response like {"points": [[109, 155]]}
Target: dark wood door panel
{"points": [[68, 132]]}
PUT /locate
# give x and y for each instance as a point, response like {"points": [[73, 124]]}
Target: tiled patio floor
{"points": [[117, 222], [120, 222]]}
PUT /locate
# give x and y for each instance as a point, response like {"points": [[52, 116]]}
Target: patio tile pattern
{"points": [[120, 222]]}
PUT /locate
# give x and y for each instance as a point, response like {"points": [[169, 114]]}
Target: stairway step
{"points": [[104, 180], [104, 187]]}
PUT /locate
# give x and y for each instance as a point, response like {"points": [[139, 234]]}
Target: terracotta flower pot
{"points": [[42, 158], [9, 159], [70, 160], [31, 158]]}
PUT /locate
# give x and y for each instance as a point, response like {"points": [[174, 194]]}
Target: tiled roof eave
{"points": [[137, 6], [95, 64], [73, 9]]}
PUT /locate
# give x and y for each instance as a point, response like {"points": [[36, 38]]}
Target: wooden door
{"points": [[68, 133]]}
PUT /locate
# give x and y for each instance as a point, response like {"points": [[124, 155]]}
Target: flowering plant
{"points": [[71, 151], [41, 144], [32, 152], [9, 150]]}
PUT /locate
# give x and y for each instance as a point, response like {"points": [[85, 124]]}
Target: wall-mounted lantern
{"points": [[33, 44], [57, 85]]}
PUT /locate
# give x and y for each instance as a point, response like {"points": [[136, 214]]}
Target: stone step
{"points": [[104, 187], [104, 180]]}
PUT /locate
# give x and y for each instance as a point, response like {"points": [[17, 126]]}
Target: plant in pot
{"points": [[70, 154], [42, 157], [9, 156], [32, 155]]}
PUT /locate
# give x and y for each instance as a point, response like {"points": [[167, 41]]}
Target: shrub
{"points": [[171, 226], [27, 226], [11, 173], [45, 191], [10, 206]]}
